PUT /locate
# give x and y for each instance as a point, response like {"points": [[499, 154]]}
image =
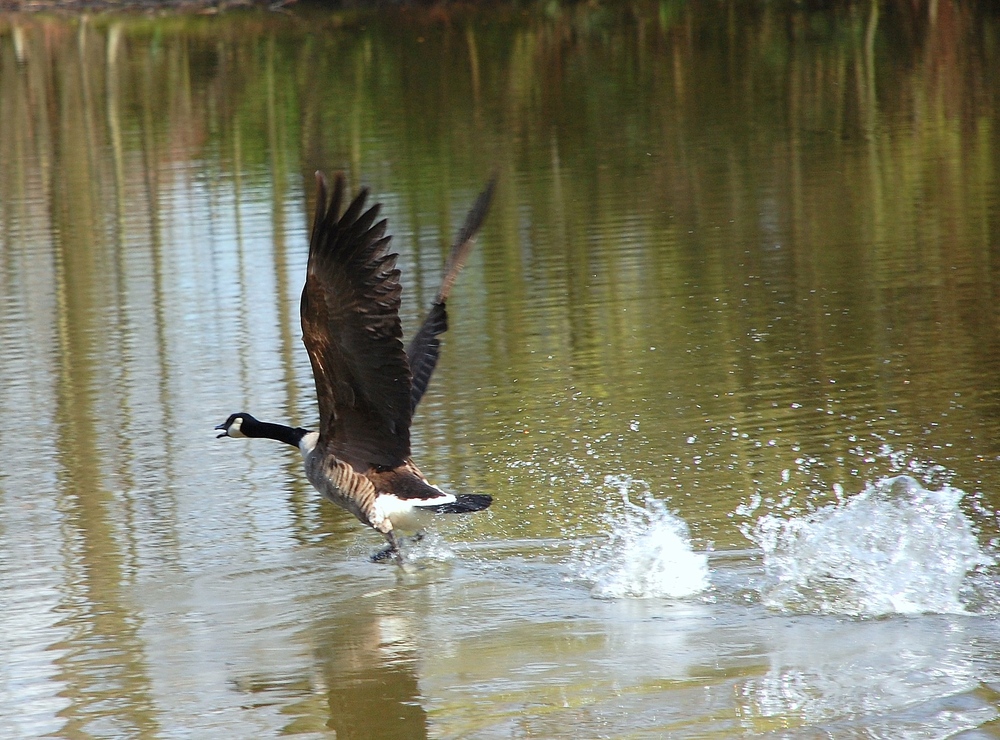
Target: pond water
{"points": [[727, 356]]}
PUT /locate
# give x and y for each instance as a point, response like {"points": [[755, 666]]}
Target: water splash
{"points": [[647, 553], [895, 548], [428, 548]]}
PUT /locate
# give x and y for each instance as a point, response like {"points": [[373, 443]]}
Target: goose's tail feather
{"points": [[463, 504]]}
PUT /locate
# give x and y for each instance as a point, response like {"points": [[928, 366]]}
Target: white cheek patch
{"points": [[234, 429]]}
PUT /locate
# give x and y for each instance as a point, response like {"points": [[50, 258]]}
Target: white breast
{"points": [[308, 443]]}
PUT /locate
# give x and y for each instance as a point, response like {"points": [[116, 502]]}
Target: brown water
{"points": [[742, 269]]}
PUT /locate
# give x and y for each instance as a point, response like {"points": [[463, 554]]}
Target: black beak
{"points": [[224, 431]]}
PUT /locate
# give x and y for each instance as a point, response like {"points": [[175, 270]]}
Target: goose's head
{"points": [[233, 426]]}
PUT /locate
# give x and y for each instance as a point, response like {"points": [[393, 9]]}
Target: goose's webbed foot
{"points": [[389, 551], [392, 550], [386, 553]]}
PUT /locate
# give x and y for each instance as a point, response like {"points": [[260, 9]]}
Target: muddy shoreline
{"points": [[148, 6]]}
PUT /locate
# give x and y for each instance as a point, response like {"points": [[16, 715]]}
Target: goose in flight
{"points": [[367, 385]]}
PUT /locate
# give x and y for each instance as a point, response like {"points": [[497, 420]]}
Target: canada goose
{"points": [[367, 386]]}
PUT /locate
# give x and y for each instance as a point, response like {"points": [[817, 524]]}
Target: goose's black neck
{"points": [[289, 435]]}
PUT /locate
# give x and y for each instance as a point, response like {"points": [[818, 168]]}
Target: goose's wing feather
{"points": [[425, 347], [424, 350], [351, 329]]}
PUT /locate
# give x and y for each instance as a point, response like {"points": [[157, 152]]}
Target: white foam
{"points": [[429, 547], [647, 553], [894, 548]]}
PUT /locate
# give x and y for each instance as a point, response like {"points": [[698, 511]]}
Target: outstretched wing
{"points": [[425, 347], [351, 329]]}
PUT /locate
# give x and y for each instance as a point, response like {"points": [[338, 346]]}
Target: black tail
{"points": [[463, 504]]}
